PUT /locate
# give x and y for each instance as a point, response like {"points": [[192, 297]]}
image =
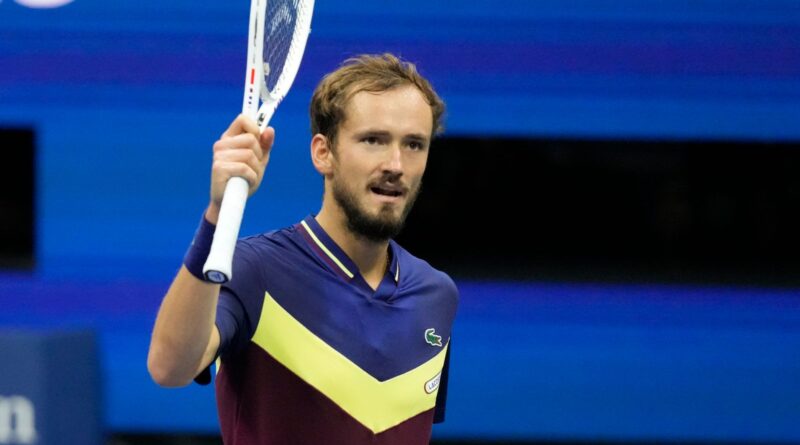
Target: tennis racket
{"points": [[277, 38]]}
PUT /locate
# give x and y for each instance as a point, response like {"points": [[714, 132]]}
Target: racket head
{"points": [[286, 26]]}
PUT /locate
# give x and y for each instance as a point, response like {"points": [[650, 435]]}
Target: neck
{"points": [[370, 257]]}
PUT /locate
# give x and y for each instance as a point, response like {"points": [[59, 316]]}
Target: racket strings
{"points": [[280, 41], [285, 28]]}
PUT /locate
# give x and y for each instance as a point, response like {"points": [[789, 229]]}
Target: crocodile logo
{"points": [[432, 339]]}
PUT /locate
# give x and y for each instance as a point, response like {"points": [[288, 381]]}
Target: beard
{"points": [[375, 228]]}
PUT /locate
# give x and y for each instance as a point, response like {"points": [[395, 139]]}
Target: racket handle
{"points": [[219, 264]]}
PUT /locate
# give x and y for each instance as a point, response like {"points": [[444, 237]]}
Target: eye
{"points": [[416, 145], [370, 140]]}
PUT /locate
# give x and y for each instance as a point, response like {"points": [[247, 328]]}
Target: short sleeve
{"points": [[231, 322], [238, 299]]}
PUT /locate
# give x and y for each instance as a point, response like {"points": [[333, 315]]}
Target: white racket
{"points": [[277, 38]]}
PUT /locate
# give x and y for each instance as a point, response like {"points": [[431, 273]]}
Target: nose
{"points": [[394, 160]]}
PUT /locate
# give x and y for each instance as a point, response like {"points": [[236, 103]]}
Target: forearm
{"points": [[185, 339], [182, 336]]}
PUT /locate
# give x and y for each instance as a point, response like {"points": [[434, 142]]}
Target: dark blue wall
{"points": [[126, 98]]}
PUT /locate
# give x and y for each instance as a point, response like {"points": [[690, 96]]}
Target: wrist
{"points": [[212, 213], [196, 255]]}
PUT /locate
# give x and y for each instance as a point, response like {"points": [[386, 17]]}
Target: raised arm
{"points": [[185, 339]]}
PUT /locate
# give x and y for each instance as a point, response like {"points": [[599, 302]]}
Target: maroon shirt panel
{"points": [[261, 402]]}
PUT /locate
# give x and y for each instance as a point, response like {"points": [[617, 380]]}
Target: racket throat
{"points": [[265, 114]]}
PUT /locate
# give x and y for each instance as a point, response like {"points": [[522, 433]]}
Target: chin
{"points": [[389, 216]]}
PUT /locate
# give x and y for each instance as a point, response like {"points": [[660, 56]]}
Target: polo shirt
{"points": [[311, 354]]}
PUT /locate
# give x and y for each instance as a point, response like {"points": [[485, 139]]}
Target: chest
{"points": [[385, 339], [378, 377]]}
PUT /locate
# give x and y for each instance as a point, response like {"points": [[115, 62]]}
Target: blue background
{"points": [[127, 97]]}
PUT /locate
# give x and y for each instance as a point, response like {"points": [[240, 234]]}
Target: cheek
{"points": [[417, 169], [357, 165], [350, 177], [420, 160]]}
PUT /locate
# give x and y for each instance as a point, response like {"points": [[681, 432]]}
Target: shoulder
{"points": [[419, 273], [267, 243], [257, 254]]}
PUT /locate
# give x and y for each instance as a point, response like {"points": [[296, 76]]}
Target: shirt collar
{"points": [[334, 256], [394, 264]]}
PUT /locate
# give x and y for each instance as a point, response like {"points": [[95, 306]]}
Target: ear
{"points": [[321, 154]]}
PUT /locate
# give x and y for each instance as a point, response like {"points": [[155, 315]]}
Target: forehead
{"points": [[403, 109]]}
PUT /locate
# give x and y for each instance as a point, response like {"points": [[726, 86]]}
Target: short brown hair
{"points": [[373, 73]]}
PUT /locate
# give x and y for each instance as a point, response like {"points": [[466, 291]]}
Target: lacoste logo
{"points": [[432, 339], [432, 384]]}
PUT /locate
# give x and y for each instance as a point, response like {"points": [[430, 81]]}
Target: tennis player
{"points": [[329, 332]]}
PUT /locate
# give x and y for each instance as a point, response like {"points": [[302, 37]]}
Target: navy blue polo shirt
{"points": [[310, 353]]}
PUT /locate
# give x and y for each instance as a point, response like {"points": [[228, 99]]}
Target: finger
{"points": [[242, 124], [266, 140], [225, 170], [246, 141], [241, 155]]}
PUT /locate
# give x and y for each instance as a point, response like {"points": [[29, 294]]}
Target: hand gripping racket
{"points": [[276, 40]]}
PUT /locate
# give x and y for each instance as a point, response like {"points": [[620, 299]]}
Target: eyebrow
{"points": [[417, 137], [381, 133], [384, 134]]}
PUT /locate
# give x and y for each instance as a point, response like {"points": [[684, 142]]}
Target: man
{"points": [[329, 332]]}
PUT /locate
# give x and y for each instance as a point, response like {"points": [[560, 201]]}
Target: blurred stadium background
{"points": [[616, 195]]}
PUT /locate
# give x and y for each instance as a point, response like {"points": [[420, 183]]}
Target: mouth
{"points": [[388, 191]]}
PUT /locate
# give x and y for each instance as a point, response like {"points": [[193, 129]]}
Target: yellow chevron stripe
{"points": [[325, 249], [376, 405]]}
